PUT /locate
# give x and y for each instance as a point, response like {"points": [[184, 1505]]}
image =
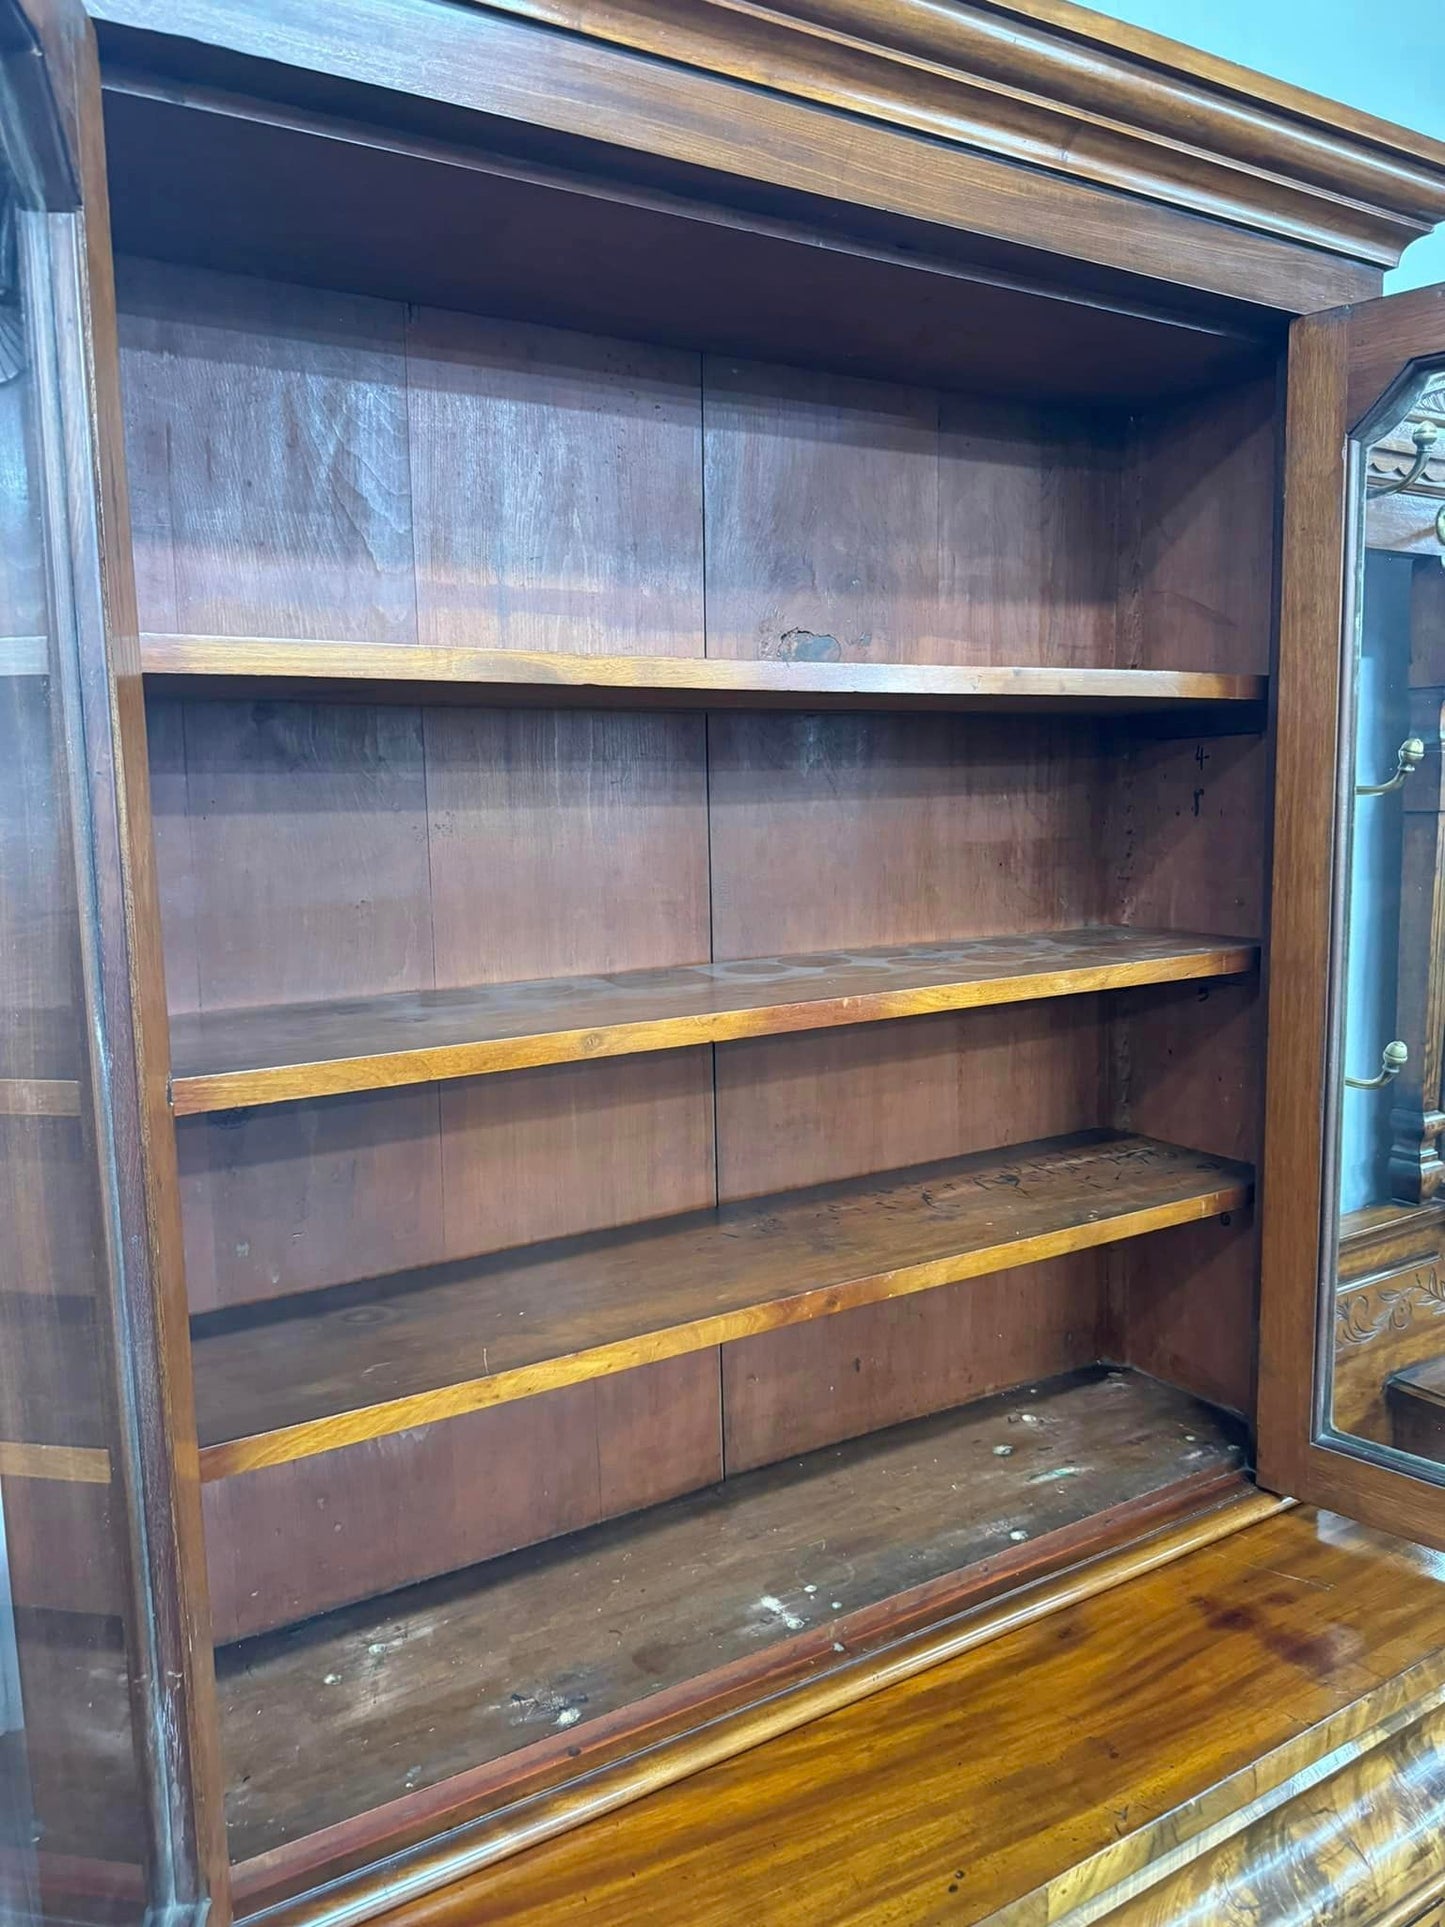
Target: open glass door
{"points": [[1352, 1383]]}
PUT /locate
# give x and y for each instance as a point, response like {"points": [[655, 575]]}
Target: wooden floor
{"points": [[1103, 1734]]}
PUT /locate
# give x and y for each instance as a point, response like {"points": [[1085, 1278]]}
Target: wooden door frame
{"points": [[52, 80], [1342, 362]]}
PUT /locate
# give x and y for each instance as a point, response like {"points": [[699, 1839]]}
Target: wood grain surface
{"points": [[271, 1055], [1074, 1763], [515, 675], [338, 1370], [518, 1656]]}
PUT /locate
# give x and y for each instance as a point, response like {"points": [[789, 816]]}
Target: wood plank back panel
{"points": [[557, 483], [874, 829], [862, 521], [908, 1357], [267, 450], [391, 1511]]}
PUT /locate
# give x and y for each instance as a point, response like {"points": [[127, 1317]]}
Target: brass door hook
{"points": [[1408, 758], [1393, 1059]]}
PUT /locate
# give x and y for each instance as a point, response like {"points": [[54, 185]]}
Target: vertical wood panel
{"points": [[308, 844], [1199, 532], [875, 829], [885, 1363], [298, 1539], [266, 445], [1189, 835], [836, 1104], [1028, 535], [575, 1147], [297, 1196], [822, 515], [558, 489], [565, 842]]}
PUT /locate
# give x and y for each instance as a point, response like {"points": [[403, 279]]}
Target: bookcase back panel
{"points": [[293, 1540], [315, 465], [861, 521], [911, 1356], [804, 1110], [873, 829], [300, 1196]]}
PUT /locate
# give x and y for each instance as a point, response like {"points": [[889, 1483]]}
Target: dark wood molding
{"points": [[1281, 211], [1140, 113]]}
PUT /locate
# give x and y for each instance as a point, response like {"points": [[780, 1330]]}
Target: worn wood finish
{"points": [[432, 1348], [682, 115], [277, 1054], [1298, 1641], [333, 669], [715, 1584]]}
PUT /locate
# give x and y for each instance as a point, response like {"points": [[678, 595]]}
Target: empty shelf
{"points": [[224, 1060], [307, 1376], [213, 664]]}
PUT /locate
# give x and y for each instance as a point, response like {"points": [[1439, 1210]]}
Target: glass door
{"points": [[103, 1781], [1352, 1387]]}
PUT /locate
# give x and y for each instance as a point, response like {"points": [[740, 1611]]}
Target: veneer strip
{"points": [[311, 668], [273, 1055], [312, 1374]]}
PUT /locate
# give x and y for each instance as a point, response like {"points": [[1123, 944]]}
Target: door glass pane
{"points": [[1384, 1329], [73, 1830]]}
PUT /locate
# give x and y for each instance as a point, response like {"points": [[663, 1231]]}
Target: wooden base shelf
{"points": [[776, 1577], [210, 665], [230, 1059], [309, 1375]]}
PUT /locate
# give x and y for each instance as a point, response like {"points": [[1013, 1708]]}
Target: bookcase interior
{"points": [[676, 1191]]}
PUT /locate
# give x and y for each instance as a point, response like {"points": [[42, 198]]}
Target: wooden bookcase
{"points": [[702, 820]]}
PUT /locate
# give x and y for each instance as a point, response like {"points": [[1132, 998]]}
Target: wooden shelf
{"points": [[224, 1060], [306, 1377], [208, 664], [777, 1574]]}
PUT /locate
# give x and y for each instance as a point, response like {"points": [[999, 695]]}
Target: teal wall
{"points": [[1379, 55]]}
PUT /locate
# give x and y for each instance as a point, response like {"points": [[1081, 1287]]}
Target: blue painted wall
{"points": [[1379, 55]]}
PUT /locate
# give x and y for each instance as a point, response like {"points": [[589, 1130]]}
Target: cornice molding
{"points": [[1056, 87]]}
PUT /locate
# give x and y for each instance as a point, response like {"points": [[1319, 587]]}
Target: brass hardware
{"points": [[1393, 1059], [1424, 436], [1408, 759]]}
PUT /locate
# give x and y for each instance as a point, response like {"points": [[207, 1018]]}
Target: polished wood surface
{"points": [[272, 1055], [330, 669], [763, 1576], [1153, 1727], [420, 1350]]}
